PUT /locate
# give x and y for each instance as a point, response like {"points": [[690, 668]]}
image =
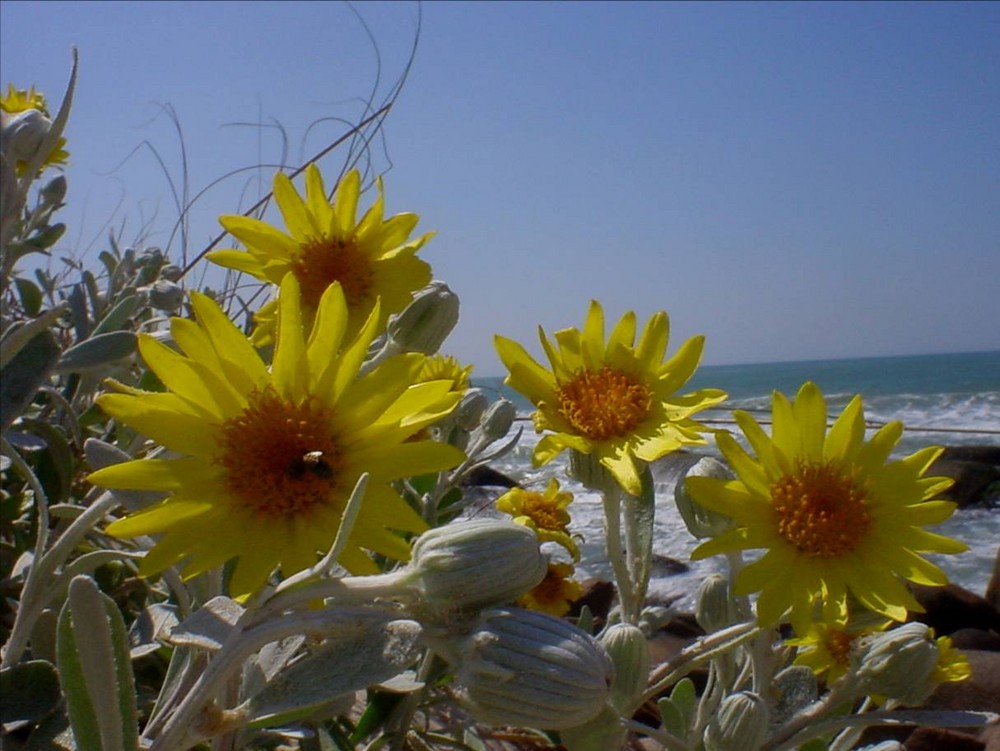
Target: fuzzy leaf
{"points": [[30, 691], [97, 352], [209, 626], [24, 373]]}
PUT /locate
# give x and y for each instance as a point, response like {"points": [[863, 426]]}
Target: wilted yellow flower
{"points": [[544, 512], [372, 259], [952, 664], [555, 593], [270, 456], [615, 400], [833, 516]]}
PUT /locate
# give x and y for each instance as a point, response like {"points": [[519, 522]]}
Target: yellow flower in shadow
{"points": [[555, 593], [545, 512], [834, 515], [613, 399], [372, 259], [269, 456]]}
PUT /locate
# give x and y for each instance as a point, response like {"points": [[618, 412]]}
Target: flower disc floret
{"points": [[834, 515], [268, 457], [612, 398]]}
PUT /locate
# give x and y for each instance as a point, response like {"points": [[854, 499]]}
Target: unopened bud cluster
{"points": [[740, 724], [427, 321], [898, 664]]}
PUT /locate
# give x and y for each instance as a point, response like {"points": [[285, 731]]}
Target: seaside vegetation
{"points": [[243, 528]]}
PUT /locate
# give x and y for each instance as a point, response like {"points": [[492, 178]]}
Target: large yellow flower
{"points": [[833, 516], [615, 400], [270, 456], [372, 259]]}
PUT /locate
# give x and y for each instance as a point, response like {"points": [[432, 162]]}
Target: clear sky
{"points": [[795, 181]]}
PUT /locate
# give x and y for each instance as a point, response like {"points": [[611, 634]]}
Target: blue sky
{"points": [[795, 181]]}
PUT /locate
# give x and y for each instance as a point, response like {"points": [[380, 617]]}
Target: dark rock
{"points": [[488, 477], [597, 596], [938, 739], [972, 479], [993, 589], [664, 565], [981, 454], [951, 608], [974, 638]]}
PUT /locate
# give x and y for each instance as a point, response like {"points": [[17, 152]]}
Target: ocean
{"points": [[943, 400]]}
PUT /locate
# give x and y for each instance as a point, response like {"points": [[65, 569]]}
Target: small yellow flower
{"points": [[446, 368], [269, 456], [827, 649], [555, 593], [614, 399], [543, 512], [372, 259], [833, 516], [952, 665], [19, 100]]}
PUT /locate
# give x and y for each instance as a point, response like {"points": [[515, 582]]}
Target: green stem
{"points": [[612, 504]]}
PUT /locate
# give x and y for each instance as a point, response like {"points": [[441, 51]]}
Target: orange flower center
{"points": [[322, 262], [544, 512], [604, 403], [821, 511], [838, 644], [280, 459]]}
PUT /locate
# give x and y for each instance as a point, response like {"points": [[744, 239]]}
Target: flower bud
{"points": [[700, 521], [715, 607], [54, 191], [741, 723], [24, 134], [497, 419], [470, 410], [629, 652], [171, 272], [475, 564], [426, 322], [898, 664], [518, 667], [164, 295]]}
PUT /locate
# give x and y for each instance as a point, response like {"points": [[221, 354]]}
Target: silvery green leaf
{"points": [[97, 352], [24, 373], [210, 626], [341, 665], [118, 316], [404, 683], [30, 691], [153, 623], [795, 688], [95, 670], [263, 666]]}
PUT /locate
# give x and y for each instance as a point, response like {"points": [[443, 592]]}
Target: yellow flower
{"points": [[446, 368], [615, 400], [555, 593], [17, 102], [20, 100], [270, 456], [833, 516], [372, 259], [827, 649], [952, 664], [544, 512]]}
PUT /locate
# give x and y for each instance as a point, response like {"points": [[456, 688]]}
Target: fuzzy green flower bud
{"points": [[171, 272], [715, 608], [426, 322], [700, 521], [475, 564], [740, 724], [470, 410], [497, 419], [898, 664], [164, 295], [519, 667], [24, 134], [54, 191], [629, 652]]}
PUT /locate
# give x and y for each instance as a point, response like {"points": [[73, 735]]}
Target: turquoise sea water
{"points": [[948, 399]]}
